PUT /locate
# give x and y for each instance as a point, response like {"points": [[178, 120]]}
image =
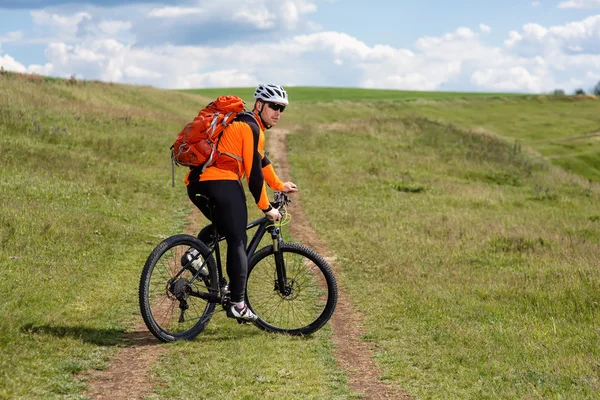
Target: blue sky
{"points": [[510, 45]]}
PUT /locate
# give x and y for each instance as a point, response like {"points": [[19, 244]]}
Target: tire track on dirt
{"points": [[354, 356], [129, 373]]}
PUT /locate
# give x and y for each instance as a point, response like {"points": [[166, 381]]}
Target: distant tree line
{"points": [[595, 91]]}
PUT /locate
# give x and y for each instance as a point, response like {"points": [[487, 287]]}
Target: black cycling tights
{"points": [[230, 218]]}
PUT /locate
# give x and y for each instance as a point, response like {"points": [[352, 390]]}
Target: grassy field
{"points": [[319, 94], [85, 182], [473, 258], [464, 240]]}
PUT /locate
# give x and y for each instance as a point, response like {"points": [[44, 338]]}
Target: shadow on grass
{"points": [[137, 338], [99, 337]]}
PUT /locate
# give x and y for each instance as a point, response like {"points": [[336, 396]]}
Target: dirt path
{"points": [[354, 356], [129, 374]]}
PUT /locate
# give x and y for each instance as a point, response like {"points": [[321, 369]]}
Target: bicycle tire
{"points": [[313, 290], [158, 291]]}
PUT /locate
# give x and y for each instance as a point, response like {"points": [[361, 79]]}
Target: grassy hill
{"points": [[324, 94], [469, 248]]}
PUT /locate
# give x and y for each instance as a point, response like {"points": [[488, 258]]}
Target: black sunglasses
{"points": [[276, 107]]}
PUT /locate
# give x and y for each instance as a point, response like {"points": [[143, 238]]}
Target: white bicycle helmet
{"points": [[272, 93]]}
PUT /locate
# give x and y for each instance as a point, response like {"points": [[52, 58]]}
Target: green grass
{"points": [[327, 94], [229, 361], [85, 191], [563, 129], [470, 250], [473, 260]]}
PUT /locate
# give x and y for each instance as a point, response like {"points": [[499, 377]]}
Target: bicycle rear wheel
{"points": [[310, 295], [168, 294]]}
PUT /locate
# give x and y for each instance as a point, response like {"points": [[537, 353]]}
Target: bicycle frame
{"points": [[263, 226]]}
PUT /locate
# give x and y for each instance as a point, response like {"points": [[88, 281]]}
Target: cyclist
{"points": [[241, 152]]}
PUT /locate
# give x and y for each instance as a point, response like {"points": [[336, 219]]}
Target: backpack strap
{"points": [[248, 118], [244, 116]]}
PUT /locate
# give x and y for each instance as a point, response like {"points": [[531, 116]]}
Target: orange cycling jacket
{"points": [[241, 152]]}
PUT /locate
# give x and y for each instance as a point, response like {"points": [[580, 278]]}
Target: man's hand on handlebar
{"points": [[273, 214], [289, 187]]}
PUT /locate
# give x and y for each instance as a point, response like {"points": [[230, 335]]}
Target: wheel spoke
{"points": [[311, 290], [165, 287]]}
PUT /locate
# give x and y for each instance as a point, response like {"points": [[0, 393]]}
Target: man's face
{"points": [[271, 112]]}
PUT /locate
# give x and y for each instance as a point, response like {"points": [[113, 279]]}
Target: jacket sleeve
{"points": [[270, 176], [253, 166]]}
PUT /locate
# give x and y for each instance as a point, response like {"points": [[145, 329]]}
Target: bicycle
{"points": [[290, 287]]}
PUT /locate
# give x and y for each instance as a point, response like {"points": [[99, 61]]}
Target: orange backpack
{"points": [[196, 144]]}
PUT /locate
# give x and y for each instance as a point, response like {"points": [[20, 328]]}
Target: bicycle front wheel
{"points": [[308, 299], [171, 287]]}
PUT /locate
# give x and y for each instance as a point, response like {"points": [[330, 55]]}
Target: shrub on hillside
{"points": [[558, 92], [597, 89]]}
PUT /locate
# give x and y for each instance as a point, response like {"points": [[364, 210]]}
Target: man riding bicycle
{"points": [[240, 152]]}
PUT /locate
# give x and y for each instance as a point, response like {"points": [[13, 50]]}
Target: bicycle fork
{"points": [[281, 283]]}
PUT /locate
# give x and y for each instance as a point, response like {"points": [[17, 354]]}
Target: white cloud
{"points": [[134, 72], [588, 28], [222, 78], [10, 64], [114, 27], [14, 36], [291, 12], [460, 35], [534, 39], [261, 19], [419, 76], [535, 4], [261, 14], [511, 79], [334, 42], [463, 45], [53, 27], [484, 28], [174, 12], [579, 4], [46, 69], [270, 14], [100, 59], [594, 77], [60, 23], [513, 38], [535, 31]]}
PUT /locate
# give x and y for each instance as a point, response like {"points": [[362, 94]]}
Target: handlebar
{"points": [[280, 199]]}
